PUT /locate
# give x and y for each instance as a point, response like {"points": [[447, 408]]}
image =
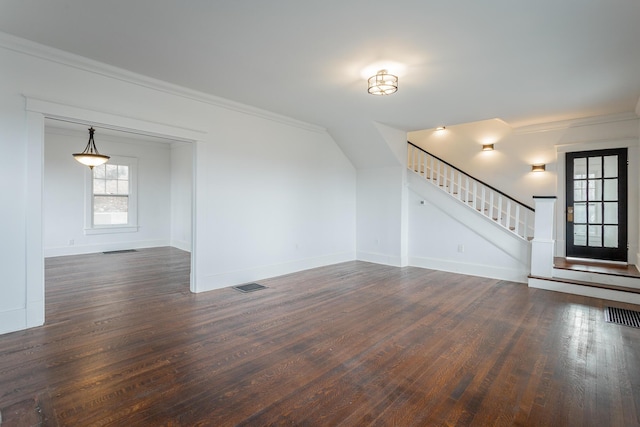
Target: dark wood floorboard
{"points": [[353, 344]]}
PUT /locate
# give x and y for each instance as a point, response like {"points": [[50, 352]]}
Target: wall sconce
{"points": [[440, 128], [90, 156], [538, 168], [383, 83], [487, 147]]}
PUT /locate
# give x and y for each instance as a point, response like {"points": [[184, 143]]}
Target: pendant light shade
{"points": [[383, 83], [90, 156]]}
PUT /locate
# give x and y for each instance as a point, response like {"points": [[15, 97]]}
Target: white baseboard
{"points": [[182, 245], [103, 247], [376, 258], [490, 271], [13, 320], [232, 278]]}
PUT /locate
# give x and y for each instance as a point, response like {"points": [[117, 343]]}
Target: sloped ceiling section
{"points": [[458, 61]]}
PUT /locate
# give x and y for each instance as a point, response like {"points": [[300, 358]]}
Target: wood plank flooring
{"points": [[353, 344]]}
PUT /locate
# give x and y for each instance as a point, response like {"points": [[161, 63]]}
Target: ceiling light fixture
{"points": [[538, 168], [487, 147], [383, 83], [90, 156]]}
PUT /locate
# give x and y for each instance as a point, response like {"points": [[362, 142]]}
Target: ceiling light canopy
{"points": [[90, 156], [383, 83]]}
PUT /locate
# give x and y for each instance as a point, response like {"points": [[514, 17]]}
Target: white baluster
{"points": [[517, 218]]}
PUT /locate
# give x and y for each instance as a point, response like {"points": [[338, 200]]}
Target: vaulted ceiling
{"points": [[458, 60]]}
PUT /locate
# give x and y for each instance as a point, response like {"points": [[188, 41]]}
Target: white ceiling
{"points": [[458, 60]]}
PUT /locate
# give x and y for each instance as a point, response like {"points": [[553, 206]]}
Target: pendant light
{"points": [[90, 156]]}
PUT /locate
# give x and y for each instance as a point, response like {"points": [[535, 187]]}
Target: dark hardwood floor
{"points": [[354, 344]]}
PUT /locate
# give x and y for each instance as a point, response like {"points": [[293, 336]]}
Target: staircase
{"points": [[500, 208], [591, 278]]}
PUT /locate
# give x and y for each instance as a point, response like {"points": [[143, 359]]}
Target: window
{"points": [[111, 197]]}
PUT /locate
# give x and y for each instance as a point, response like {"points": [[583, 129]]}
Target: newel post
{"points": [[543, 244]]}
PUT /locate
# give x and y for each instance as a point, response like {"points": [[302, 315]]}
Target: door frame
{"points": [[633, 190], [620, 252]]}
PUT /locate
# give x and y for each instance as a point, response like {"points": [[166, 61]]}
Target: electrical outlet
{"points": [[71, 242], [461, 248]]}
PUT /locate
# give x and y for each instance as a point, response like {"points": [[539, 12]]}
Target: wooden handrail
{"points": [[475, 179]]}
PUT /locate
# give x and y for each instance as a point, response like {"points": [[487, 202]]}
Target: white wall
{"points": [[64, 194], [181, 195], [273, 195]]}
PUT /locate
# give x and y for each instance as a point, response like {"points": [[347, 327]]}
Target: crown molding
{"points": [[58, 56], [575, 123]]}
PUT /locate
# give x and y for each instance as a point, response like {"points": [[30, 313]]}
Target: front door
{"points": [[596, 220]]}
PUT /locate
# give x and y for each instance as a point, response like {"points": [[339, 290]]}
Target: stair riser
{"points": [[604, 279], [588, 291]]}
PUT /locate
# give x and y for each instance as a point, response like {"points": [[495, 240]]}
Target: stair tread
{"points": [[590, 284]]}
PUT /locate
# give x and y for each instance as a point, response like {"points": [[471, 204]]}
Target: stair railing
{"points": [[487, 200]]}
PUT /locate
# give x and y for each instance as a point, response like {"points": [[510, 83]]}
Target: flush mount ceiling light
{"points": [[487, 147], [383, 83], [90, 156], [538, 168]]}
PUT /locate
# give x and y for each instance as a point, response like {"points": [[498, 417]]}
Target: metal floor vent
{"points": [[123, 251], [250, 287], [622, 316]]}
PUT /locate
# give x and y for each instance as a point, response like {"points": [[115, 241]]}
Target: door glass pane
{"points": [[579, 191], [611, 212], [595, 213], [595, 167], [595, 236], [580, 213], [595, 189], [611, 236], [580, 235], [611, 166], [579, 168], [610, 189]]}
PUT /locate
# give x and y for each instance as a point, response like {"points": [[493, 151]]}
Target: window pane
{"points": [[579, 168], [110, 210], [98, 171], [580, 235], [595, 189], [579, 191], [123, 187], [595, 236], [112, 186], [112, 171], [611, 212], [123, 172], [98, 186], [595, 167], [611, 236], [580, 213], [611, 166], [595, 213], [610, 189]]}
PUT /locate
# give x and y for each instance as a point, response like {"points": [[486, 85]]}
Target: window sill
{"points": [[111, 230]]}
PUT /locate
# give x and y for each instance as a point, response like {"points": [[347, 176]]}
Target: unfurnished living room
{"points": [[252, 213]]}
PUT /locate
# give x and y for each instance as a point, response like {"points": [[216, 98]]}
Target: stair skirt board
{"points": [[588, 291]]}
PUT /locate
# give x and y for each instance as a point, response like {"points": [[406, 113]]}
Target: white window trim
{"points": [[132, 225]]}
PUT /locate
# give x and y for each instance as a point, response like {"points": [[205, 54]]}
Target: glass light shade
{"points": [[91, 160], [383, 83], [90, 156]]}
